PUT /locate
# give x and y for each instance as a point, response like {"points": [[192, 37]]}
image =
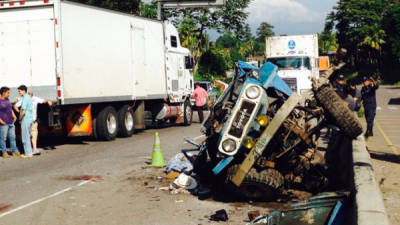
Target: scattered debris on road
{"points": [[92, 178], [220, 215], [326, 208], [4, 207]]}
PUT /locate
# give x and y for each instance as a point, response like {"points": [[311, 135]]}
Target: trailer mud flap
{"points": [[265, 138], [79, 121]]}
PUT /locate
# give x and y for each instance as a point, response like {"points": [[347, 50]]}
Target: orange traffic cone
{"points": [[157, 159]]}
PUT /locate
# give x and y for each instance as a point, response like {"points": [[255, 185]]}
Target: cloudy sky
{"points": [[290, 16]]}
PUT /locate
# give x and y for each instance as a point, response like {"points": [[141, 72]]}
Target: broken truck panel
{"points": [[262, 137], [321, 210]]}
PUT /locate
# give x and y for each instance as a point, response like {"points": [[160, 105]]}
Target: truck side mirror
{"points": [[189, 62]]}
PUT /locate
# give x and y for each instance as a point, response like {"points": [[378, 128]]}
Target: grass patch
{"points": [[360, 112]]}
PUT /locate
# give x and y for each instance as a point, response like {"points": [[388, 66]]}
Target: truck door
{"points": [[174, 68], [28, 50]]}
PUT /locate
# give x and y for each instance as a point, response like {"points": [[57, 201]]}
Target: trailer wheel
{"points": [[188, 113], [126, 121], [107, 124], [342, 115], [262, 185]]}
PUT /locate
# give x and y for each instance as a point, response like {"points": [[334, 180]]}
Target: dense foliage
{"points": [[128, 6], [370, 31]]}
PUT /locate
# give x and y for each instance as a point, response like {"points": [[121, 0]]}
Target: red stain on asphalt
{"points": [[83, 177], [4, 207]]}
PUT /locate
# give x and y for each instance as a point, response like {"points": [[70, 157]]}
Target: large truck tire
{"points": [[258, 185], [107, 124], [343, 116], [187, 113], [126, 121]]}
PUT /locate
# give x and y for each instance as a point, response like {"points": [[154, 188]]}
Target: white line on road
{"points": [[196, 138], [44, 199], [387, 139]]}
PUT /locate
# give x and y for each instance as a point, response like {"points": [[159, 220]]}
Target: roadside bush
{"points": [[212, 64]]}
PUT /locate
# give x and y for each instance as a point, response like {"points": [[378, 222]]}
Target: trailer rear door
{"points": [[27, 50]]}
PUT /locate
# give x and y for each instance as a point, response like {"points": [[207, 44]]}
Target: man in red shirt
{"points": [[201, 97]]}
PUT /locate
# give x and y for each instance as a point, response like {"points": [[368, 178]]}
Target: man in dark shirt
{"points": [[7, 127], [356, 93], [339, 86], [368, 93]]}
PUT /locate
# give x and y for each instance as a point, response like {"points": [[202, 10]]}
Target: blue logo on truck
{"points": [[292, 44]]}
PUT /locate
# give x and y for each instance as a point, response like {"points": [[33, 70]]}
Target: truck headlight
{"points": [[255, 74], [249, 143], [253, 92], [262, 120], [229, 145]]}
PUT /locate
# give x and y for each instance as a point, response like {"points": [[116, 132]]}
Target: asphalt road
{"points": [[384, 148], [43, 190]]}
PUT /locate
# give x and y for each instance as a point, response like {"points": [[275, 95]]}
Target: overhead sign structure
{"points": [[192, 3]]}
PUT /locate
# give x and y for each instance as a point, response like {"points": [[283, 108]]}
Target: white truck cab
{"points": [[297, 58]]}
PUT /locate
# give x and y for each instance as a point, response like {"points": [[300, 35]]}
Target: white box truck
{"points": [[297, 58], [103, 69]]}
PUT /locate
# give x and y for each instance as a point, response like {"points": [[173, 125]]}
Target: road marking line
{"points": [[196, 138], [44, 199], [387, 139]]}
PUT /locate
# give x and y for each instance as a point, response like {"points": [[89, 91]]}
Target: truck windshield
{"points": [[291, 63]]}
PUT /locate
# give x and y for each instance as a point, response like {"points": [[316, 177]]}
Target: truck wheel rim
{"points": [[128, 121], [188, 113], [111, 123]]}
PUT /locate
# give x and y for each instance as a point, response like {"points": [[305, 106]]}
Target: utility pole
{"points": [[187, 4], [159, 10]]}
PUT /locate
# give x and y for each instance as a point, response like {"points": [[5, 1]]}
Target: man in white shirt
{"points": [[34, 131]]}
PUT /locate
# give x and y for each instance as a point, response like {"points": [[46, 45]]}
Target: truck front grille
{"points": [[241, 119], [292, 83]]}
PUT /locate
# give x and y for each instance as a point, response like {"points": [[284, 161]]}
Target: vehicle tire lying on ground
{"points": [[343, 116], [260, 185]]}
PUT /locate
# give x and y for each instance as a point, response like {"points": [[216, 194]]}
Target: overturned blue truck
{"points": [[262, 138]]}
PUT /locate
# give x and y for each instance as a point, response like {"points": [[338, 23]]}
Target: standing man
{"points": [[356, 93], [34, 131], [26, 119], [368, 93], [201, 97], [7, 127], [339, 86]]}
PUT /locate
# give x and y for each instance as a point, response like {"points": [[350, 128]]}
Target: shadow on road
{"points": [[49, 144], [394, 101], [392, 88], [384, 156]]}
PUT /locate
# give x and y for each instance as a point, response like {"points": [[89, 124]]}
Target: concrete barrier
{"points": [[370, 209]]}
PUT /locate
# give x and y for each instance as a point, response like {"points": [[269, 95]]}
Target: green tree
{"points": [[212, 64], [230, 18], [227, 40], [359, 30], [148, 10], [264, 30], [391, 48], [327, 42], [127, 6], [244, 34]]}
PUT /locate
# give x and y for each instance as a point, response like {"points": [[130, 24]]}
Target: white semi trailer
{"points": [[297, 58], [103, 69]]}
